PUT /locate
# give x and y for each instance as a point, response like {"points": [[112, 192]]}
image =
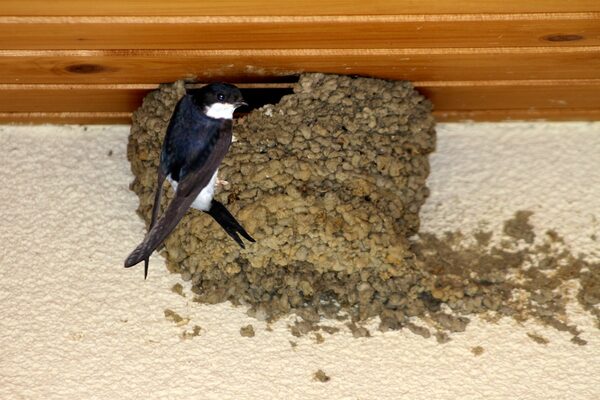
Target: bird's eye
{"points": [[220, 97]]}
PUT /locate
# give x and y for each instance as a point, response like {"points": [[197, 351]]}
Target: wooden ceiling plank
{"points": [[299, 7], [372, 34], [489, 96], [142, 67]]}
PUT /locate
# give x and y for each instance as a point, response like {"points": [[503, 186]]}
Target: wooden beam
{"points": [[370, 32], [90, 99], [518, 115], [84, 118], [299, 7], [151, 66], [567, 95], [453, 100], [78, 60], [465, 95]]}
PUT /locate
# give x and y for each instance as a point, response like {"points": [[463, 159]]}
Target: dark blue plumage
{"points": [[198, 137], [189, 132]]}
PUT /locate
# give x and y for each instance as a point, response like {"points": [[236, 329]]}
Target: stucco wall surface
{"points": [[75, 324]]}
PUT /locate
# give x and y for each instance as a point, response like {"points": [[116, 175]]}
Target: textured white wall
{"points": [[75, 324]]}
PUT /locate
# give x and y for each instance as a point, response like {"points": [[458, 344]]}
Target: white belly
{"points": [[205, 197]]}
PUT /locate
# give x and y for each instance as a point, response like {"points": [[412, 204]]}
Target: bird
{"points": [[198, 137]]}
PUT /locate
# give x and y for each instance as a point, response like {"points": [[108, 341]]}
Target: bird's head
{"points": [[219, 100]]}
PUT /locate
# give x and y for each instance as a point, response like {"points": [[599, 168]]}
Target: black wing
{"points": [[195, 175], [155, 208], [182, 116]]}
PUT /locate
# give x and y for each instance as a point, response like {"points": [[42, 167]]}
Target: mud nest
{"points": [[329, 181]]}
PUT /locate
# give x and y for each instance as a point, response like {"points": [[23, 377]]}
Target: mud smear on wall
{"points": [[520, 277], [329, 182]]}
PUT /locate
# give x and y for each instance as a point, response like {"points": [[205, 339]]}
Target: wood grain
{"points": [[298, 7], [518, 115], [69, 99], [83, 61], [267, 65], [83, 118], [559, 95], [448, 97], [300, 33]]}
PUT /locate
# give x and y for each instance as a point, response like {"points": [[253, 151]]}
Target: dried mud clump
{"points": [[321, 376], [329, 181], [477, 350], [247, 331]]}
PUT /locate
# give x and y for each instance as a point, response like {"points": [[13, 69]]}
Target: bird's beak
{"points": [[240, 103]]}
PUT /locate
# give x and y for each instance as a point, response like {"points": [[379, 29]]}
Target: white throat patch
{"points": [[220, 110]]}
